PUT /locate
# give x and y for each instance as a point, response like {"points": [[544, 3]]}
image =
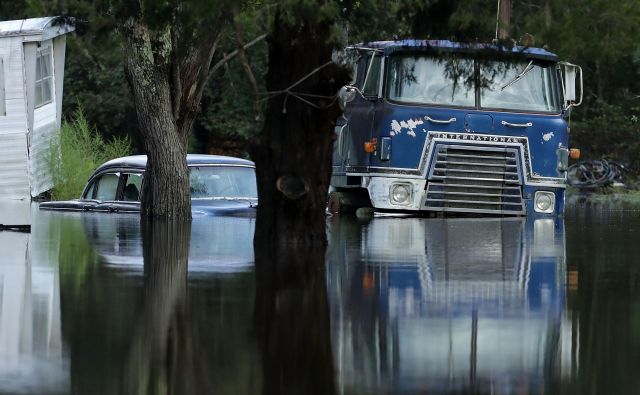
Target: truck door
{"points": [[360, 114]]}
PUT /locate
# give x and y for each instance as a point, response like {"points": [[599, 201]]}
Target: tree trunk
{"points": [[165, 191], [293, 159], [548, 15], [504, 17]]}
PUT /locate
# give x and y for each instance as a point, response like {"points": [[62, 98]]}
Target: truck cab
{"points": [[439, 126]]}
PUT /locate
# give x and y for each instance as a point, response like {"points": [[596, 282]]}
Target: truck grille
{"points": [[475, 179]]}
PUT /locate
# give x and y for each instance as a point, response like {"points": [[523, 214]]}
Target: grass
{"points": [[76, 154]]}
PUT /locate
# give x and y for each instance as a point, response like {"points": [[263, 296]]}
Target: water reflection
{"points": [[164, 356], [218, 245], [31, 348], [449, 305], [292, 320], [403, 306]]}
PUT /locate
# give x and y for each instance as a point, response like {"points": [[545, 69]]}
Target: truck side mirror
{"points": [[571, 74], [346, 95]]}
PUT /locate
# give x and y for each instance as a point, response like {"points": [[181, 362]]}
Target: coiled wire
{"points": [[595, 173]]}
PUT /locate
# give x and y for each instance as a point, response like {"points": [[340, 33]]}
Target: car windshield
{"points": [[211, 182], [452, 80]]}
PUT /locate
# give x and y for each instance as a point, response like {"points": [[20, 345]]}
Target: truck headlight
{"points": [[400, 193], [545, 202]]}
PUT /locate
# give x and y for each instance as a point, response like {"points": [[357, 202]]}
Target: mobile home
{"points": [[32, 55]]}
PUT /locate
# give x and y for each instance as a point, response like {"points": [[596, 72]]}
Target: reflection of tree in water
{"points": [[292, 320], [604, 298], [163, 356]]}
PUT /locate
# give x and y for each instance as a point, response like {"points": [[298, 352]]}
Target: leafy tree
{"points": [[170, 50]]}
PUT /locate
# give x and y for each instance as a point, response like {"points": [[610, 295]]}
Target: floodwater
{"points": [[414, 306]]}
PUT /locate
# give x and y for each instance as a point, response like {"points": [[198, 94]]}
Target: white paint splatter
{"points": [[413, 124], [547, 136], [410, 124], [395, 127]]}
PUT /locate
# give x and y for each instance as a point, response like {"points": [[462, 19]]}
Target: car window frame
{"points": [[190, 166], [95, 180]]}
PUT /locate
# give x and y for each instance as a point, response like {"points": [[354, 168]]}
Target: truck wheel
{"points": [[347, 202]]}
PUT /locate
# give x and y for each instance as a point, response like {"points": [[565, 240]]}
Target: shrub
{"points": [[77, 152], [609, 132]]}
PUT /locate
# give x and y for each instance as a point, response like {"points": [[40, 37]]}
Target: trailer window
{"points": [[432, 80], [522, 85], [44, 78], [3, 110]]}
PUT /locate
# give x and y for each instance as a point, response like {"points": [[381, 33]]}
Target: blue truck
{"points": [[439, 126]]}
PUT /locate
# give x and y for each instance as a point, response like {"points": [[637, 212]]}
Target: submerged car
{"points": [[219, 185]]}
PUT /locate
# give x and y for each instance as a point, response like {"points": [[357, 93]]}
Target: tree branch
{"points": [[242, 56], [227, 58], [232, 54]]}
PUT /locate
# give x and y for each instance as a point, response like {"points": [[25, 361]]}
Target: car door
{"points": [[113, 191], [102, 193]]}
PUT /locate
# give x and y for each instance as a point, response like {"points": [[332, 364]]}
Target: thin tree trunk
{"points": [[548, 15], [293, 158], [504, 17]]}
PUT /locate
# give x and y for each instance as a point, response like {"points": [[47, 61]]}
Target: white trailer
{"points": [[32, 53]]}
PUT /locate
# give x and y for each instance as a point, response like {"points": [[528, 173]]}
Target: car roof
{"points": [[140, 161], [389, 47]]}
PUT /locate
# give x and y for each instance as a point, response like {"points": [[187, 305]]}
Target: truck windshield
{"points": [[453, 81], [431, 80], [518, 86]]}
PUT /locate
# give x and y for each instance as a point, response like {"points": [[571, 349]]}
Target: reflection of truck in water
{"points": [[444, 127], [450, 306]]}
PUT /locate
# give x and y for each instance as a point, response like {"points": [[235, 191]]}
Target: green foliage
{"points": [[599, 35], [76, 154], [371, 20], [612, 132], [228, 106]]}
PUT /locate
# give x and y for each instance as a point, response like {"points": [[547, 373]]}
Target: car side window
{"points": [[107, 186], [89, 194], [132, 187]]}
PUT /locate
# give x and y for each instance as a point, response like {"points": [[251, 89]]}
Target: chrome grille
{"points": [[477, 179]]}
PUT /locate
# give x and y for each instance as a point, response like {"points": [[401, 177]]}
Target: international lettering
{"points": [[474, 137]]}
